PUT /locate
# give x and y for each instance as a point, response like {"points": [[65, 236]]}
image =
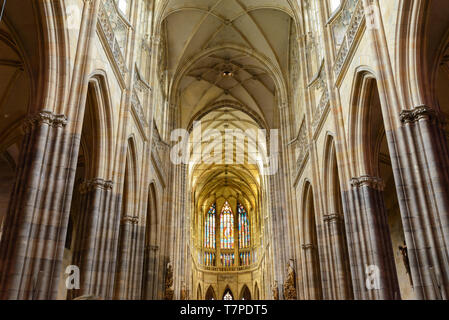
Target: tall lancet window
{"points": [[244, 234], [227, 227], [209, 228]]}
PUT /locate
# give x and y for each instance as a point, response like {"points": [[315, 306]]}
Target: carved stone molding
{"points": [[112, 24], [419, 113], [302, 147], [320, 110], [156, 39], [357, 16], [138, 109], [152, 248], [308, 246], [97, 183], [373, 182], [45, 117], [130, 219], [333, 217], [283, 105]]}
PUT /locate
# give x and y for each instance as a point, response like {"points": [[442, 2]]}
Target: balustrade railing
{"points": [[115, 29], [348, 23]]}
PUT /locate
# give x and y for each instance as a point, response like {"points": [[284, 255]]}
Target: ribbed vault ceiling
{"points": [[227, 51], [224, 180], [248, 35]]}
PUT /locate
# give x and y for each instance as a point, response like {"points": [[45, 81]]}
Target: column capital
{"points": [[332, 217], [156, 39], [44, 117], [127, 219], [152, 248], [418, 113], [283, 104], [308, 246], [366, 180], [96, 183]]}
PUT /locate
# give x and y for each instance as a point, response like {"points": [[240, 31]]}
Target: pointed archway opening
{"points": [[210, 294], [256, 292], [199, 296], [227, 295], [245, 294]]}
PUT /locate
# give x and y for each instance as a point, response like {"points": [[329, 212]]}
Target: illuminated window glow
{"points": [[227, 227], [209, 259], [244, 234], [227, 259], [245, 258], [209, 228]]}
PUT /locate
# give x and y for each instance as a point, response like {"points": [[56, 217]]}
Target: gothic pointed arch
{"points": [[210, 294], [309, 246], [128, 225], [374, 172], [227, 294], [245, 293], [340, 287], [256, 292], [151, 254], [91, 174], [199, 295]]}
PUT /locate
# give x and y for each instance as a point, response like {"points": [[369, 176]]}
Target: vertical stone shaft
{"points": [[424, 198], [335, 241], [373, 243], [32, 232], [123, 282], [92, 236], [150, 275]]}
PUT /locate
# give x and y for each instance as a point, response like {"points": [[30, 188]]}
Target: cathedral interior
{"points": [[224, 150]]}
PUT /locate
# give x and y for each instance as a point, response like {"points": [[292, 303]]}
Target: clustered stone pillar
{"points": [[333, 228], [311, 274], [150, 272], [374, 272], [93, 238], [424, 200], [128, 236], [35, 225]]}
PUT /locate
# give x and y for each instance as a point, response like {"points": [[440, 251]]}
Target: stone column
{"points": [[92, 237], [424, 199], [34, 228], [310, 273], [372, 242], [335, 242], [124, 263], [150, 272], [420, 162]]}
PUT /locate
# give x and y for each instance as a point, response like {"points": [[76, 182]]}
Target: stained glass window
{"points": [[245, 258], [227, 259], [227, 227], [209, 259], [209, 228], [244, 234]]}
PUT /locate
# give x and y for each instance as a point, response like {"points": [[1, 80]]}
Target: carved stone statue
{"points": [[290, 283], [404, 252], [169, 290], [275, 290]]}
